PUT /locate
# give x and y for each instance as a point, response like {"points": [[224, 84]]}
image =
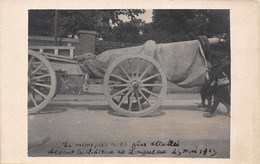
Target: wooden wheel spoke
{"points": [[37, 69], [124, 98], [124, 72], [118, 85], [145, 97], [152, 85], [131, 68], [41, 94], [33, 100], [150, 77], [43, 85], [137, 69], [42, 76], [117, 93], [145, 71], [30, 62], [138, 101], [119, 78], [150, 92], [131, 101]]}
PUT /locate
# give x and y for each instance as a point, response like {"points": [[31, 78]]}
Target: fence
{"points": [[84, 44], [66, 46], [102, 46], [56, 50]]}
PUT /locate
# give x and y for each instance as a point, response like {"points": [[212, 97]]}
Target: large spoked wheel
{"points": [[41, 82], [135, 85]]}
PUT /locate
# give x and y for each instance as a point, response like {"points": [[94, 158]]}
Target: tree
{"points": [[179, 25], [156, 34], [129, 32], [41, 22]]}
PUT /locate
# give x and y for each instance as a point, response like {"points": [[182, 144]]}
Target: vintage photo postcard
{"points": [[129, 82]]}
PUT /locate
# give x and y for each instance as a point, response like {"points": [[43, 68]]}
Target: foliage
{"points": [[128, 32], [167, 25], [179, 25], [41, 22]]}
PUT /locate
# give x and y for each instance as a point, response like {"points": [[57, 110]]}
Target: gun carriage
{"points": [[134, 79]]}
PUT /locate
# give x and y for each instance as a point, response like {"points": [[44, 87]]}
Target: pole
{"points": [[56, 28]]}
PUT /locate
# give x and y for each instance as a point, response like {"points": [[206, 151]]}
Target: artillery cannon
{"points": [[134, 79]]}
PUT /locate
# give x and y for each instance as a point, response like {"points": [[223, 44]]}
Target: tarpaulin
{"points": [[182, 62]]}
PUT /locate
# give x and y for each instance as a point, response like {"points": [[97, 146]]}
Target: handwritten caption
{"points": [[138, 148]]}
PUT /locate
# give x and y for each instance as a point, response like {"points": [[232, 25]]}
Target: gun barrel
{"points": [[213, 41]]}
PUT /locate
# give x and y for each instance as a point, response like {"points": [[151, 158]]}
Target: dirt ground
{"points": [[87, 126]]}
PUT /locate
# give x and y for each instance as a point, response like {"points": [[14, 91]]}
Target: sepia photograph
{"points": [[113, 82], [129, 83]]}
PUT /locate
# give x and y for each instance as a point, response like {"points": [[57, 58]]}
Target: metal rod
{"points": [[56, 27]]}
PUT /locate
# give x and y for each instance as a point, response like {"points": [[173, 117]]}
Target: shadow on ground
{"points": [[153, 114], [50, 110], [63, 107]]}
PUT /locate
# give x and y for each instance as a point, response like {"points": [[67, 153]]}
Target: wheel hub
{"points": [[135, 86]]}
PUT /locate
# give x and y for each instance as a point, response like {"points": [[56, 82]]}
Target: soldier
{"points": [[207, 52], [218, 86], [219, 89], [205, 88]]}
